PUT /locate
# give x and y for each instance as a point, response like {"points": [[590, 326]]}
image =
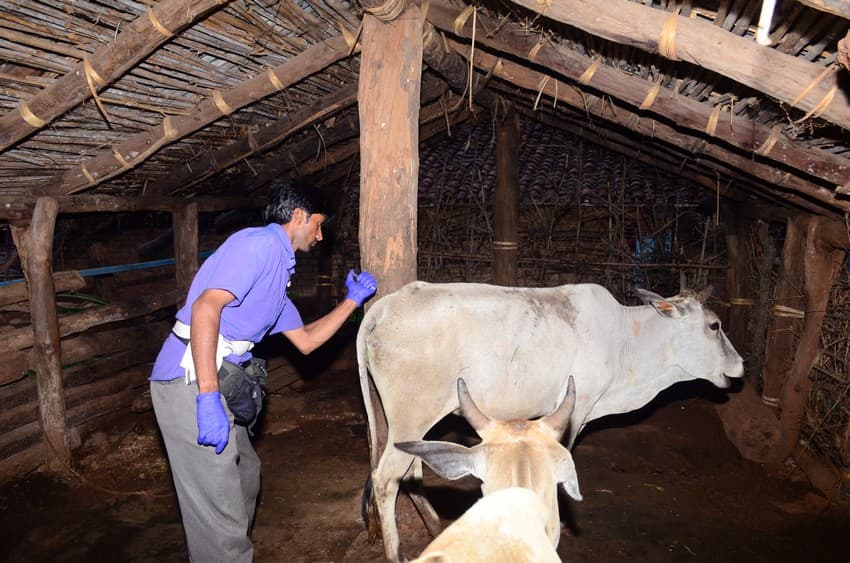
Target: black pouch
{"points": [[243, 389]]}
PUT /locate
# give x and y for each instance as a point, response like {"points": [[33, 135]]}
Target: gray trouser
{"points": [[217, 493]]}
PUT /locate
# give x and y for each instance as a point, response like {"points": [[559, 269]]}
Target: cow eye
{"points": [[715, 325]]}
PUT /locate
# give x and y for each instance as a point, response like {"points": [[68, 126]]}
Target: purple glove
{"points": [[360, 286], [213, 426]]}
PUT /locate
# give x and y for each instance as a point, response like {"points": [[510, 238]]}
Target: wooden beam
{"points": [[836, 7], [63, 281], [20, 338], [646, 97], [205, 165], [45, 329], [16, 208], [767, 70], [530, 80], [136, 40], [135, 150], [388, 95]]}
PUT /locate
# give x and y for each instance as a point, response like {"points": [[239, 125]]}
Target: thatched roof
{"points": [[189, 97]]}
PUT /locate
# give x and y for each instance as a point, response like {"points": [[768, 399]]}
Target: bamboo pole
{"points": [[109, 62], [185, 222], [506, 201], [787, 313]]}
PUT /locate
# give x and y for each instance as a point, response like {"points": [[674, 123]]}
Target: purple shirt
{"points": [[255, 265]]}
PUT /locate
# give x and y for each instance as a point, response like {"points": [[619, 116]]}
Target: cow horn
{"points": [[477, 419], [559, 419]]}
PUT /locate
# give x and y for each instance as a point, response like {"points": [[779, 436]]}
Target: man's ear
{"points": [[299, 216]]}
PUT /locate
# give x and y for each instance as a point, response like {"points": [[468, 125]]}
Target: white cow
{"points": [[516, 347], [514, 455], [504, 527]]}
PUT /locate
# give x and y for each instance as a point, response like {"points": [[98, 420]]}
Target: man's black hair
{"points": [[285, 197]]}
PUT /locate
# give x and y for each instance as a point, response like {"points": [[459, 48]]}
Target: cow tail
{"points": [[366, 327]]}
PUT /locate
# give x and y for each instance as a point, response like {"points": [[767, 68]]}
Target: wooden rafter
{"points": [[740, 131], [108, 63], [531, 80], [192, 172], [801, 84], [133, 151]]}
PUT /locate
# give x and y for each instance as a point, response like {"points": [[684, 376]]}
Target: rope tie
{"points": [[350, 40], [814, 83], [121, 160], [770, 401], [29, 116], [276, 83], [532, 54], [86, 173], [788, 312], [252, 142], [766, 147], [157, 25], [93, 77], [504, 245], [742, 301], [460, 20], [821, 105], [221, 104], [542, 6], [387, 11], [590, 71], [711, 126], [650, 96], [168, 129], [543, 82], [667, 41]]}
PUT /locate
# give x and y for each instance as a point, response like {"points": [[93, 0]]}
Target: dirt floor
{"points": [[662, 484]]}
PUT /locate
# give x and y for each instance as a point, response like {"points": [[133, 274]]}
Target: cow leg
{"points": [[385, 484], [423, 507]]}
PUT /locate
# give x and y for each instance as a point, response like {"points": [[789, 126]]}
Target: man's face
{"points": [[308, 233]]}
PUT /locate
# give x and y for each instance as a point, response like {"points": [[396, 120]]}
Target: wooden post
{"points": [[324, 284], [388, 99], [35, 245], [506, 200], [185, 220], [823, 259], [787, 312], [737, 276]]}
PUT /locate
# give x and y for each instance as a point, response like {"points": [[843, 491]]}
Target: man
{"points": [[237, 296]]}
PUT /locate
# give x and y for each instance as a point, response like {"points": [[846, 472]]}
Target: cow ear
{"points": [[705, 294], [568, 478], [450, 461]]}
